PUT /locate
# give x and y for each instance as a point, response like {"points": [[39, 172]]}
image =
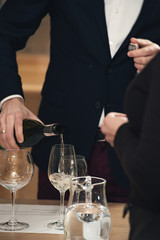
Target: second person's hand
{"points": [[111, 123], [144, 54]]}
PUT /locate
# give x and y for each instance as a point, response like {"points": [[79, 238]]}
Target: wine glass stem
{"points": [[61, 218], [13, 220]]}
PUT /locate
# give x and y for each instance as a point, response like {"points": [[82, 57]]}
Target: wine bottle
{"points": [[34, 131]]}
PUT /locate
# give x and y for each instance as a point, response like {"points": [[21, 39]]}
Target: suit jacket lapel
{"points": [[99, 11], [144, 14], [100, 17]]}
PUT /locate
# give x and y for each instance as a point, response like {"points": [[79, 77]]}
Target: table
{"points": [[119, 229]]}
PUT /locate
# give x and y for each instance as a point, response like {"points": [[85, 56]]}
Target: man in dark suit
{"points": [[85, 75]]}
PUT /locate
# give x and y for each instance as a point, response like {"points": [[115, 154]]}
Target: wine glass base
{"points": [[8, 226], [56, 225]]}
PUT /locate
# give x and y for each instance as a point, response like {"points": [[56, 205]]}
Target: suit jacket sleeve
{"points": [[19, 19], [140, 155]]}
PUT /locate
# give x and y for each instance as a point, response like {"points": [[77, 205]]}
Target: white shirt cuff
{"points": [[10, 97]]}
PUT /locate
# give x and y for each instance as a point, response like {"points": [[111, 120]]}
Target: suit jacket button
{"points": [[90, 66], [109, 70], [97, 104]]}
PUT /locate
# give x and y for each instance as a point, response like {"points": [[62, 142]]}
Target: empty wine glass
{"points": [[16, 171], [81, 165], [61, 168]]}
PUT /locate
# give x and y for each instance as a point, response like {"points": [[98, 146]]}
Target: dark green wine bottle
{"points": [[34, 131]]}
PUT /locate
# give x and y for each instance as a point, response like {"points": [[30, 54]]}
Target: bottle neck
{"points": [[53, 129], [48, 130]]}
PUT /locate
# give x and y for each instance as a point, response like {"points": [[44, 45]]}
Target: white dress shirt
{"points": [[120, 17]]}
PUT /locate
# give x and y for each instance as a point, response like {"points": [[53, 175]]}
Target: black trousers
{"points": [[145, 225]]}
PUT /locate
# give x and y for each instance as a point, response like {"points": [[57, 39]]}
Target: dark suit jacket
{"points": [[137, 142], [81, 78]]}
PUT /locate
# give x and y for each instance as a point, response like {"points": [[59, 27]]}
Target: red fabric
{"points": [[99, 167]]}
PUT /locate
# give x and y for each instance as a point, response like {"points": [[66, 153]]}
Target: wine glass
{"points": [[61, 168], [81, 165], [16, 171]]}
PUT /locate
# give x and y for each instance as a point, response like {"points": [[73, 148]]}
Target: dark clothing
{"points": [[81, 79], [144, 224], [137, 144]]}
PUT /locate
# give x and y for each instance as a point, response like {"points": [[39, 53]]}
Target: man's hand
{"points": [[143, 55], [111, 123], [11, 117]]}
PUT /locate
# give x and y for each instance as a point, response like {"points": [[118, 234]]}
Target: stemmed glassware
{"points": [[81, 165], [16, 171], [82, 172], [61, 168]]}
